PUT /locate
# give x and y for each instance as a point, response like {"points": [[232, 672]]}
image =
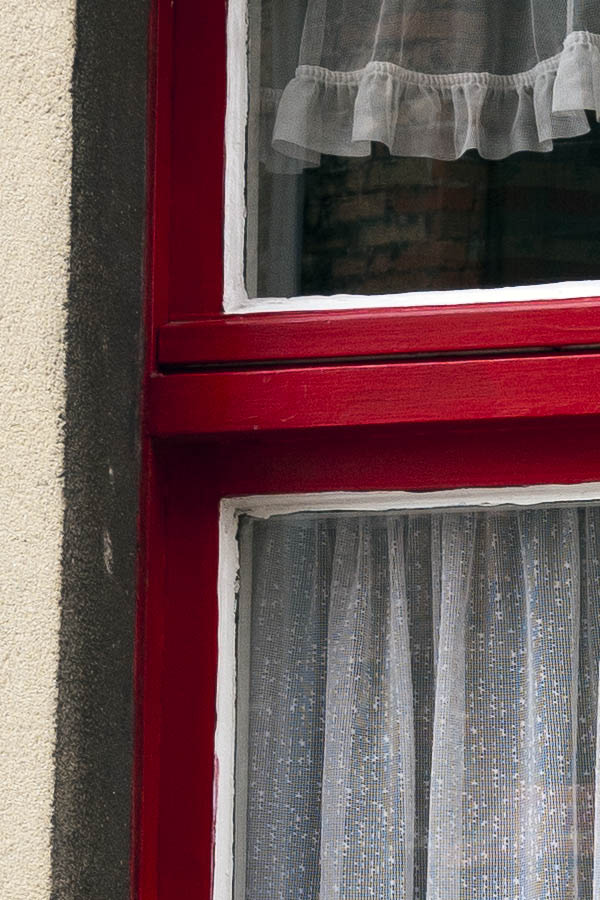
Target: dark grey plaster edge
{"points": [[94, 748]]}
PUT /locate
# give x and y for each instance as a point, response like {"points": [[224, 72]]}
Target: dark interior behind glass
{"points": [[386, 224]]}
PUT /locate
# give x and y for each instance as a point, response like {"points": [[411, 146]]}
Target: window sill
{"points": [[353, 334]]}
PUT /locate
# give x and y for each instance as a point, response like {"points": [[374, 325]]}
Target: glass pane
{"points": [[418, 705], [383, 223]]}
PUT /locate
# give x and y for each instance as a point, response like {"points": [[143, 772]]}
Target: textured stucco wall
{"points": [[72, 192], [36, 58]]}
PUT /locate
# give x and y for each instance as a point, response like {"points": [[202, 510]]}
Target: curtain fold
{"points": [[430, 78], [423, 706]]}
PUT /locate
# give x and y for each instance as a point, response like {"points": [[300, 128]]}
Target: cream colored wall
{"points": [[36, 55]]}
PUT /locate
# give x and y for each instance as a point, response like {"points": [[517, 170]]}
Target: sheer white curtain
{"points": [[423, 706], [427, 78]]}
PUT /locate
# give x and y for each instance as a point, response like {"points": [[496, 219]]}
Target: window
{"points": [[187, 778], [384, 159], [255, 398], [207, 264], [417, 696]]}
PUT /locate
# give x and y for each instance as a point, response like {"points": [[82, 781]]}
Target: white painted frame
{"points": [[236, 299], [265, 506]]}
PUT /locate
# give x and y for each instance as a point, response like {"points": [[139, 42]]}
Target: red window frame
{"points": [[189, 104], [396, 399], [178, 652]]}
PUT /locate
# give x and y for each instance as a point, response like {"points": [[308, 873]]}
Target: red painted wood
{"points": [[401, 426], [183, 856], [151, 548], [346, 395], [188, 259], [189, 105], [197, 158], [160, 53], [150, 624], [317, 335], [181, 646], [151, 553]]}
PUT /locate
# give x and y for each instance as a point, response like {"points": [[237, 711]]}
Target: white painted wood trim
{"points": [[264, 506], [564, 290], [228, 585], [236, 116]]}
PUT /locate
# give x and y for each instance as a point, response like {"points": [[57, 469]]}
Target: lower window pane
{"points": [[417, 705]]}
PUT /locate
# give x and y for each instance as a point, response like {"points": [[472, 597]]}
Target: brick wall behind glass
{"points": [[386, 224]]}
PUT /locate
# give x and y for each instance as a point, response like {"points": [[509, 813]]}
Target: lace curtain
{"points": [[423, 695], [429, 78]]}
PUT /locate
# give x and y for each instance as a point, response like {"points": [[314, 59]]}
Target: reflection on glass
{"points": [[384, 224]]}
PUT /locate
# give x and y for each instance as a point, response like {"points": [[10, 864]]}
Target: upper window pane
{"points": [[402, 146]]}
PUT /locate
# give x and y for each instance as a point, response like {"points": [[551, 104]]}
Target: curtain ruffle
{"points": [[276, 162], [436, 116]]}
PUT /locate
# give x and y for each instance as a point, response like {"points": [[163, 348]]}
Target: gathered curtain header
{"points": [[430, 78]]}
